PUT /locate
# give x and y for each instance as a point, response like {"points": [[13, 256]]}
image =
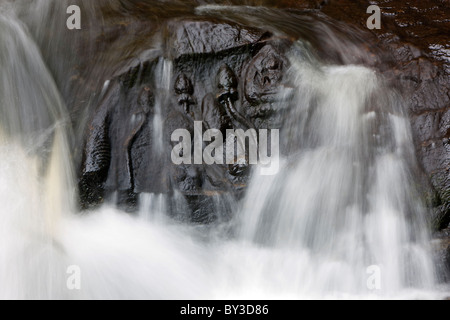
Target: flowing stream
{"points": [[342, 211]]}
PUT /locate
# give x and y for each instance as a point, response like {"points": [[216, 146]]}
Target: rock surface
{"points": [[412, 48], [441, 245], [415, 33], [217, 72]]}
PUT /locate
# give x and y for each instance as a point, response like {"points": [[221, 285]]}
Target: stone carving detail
{"points": [[185, 90], [228, 96], [263, 79], [109, 161], [199, 47], [227, 84], [224, 90], [216, 107]]}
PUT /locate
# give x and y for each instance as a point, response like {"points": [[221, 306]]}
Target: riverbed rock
{"points": [[411, 48], [205, 64]]}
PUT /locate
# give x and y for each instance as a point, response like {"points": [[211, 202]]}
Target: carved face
{"points": [[184, 90], [264, 76], [226, 78], [183, 85]]}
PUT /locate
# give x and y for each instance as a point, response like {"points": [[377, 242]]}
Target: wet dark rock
{"points": [[207, 37], [263, 76], [213, 114], [124, 153], [263, 80], [229, 74], [119, 139], [227, 85], [441, 215], [414, 32], [184, 90]]}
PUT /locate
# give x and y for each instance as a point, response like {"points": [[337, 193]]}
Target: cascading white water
{"points": [[163, 79], [346, 201], [343, 203], [35, 171]]}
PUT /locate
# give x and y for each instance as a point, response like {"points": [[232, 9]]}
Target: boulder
{"points": [[410, 49], [217, 73]]}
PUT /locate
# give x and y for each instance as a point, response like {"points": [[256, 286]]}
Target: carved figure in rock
{"points": [[109, 162], [263, 80], [213, 113], [228, 96], [185, 90]]}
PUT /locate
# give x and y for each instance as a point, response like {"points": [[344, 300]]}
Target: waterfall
{"points": [[346, 200], [32, 112], [163, 78], [342, 210]]}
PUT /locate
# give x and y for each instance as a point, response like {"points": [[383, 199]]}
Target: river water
{"points": [[342, 219]]}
